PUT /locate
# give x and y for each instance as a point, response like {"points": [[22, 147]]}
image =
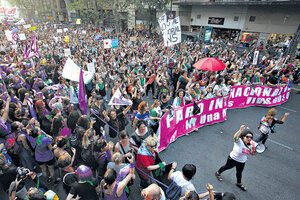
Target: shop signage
{"points": [[216, 20]]}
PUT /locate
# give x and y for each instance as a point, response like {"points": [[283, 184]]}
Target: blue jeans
{"points": [[262, 137]]}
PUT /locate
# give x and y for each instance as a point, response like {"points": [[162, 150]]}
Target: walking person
{"points": [[267, 125], [238, 156]]}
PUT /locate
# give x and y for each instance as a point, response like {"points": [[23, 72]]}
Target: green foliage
{"points": [[146, 8], [91, 10]]}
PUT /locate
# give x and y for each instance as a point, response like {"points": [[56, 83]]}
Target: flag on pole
{"points": [[82, 100]]}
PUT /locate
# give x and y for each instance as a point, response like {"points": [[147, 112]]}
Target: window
{"points": [[198, 16], [236, 18], [192, 19], [252, 19]]}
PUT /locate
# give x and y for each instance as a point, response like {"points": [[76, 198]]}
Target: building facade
{"points": [[244, 21]]}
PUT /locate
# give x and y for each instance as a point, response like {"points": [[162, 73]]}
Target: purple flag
{"points": [[82, 100]]}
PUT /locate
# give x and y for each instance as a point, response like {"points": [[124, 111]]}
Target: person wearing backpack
{"points": [[183, 178]]}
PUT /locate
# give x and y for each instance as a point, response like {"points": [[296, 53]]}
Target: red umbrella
{"points": [[210, 64]]}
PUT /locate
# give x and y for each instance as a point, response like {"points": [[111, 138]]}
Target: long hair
{"points": [[245, 132], [156, 102], [271, 114], [86, 138], [109, 177], [142, 106], [73, 119], [84, 122], [39, 104]]}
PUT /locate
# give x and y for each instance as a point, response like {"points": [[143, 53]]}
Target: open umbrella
{"points": [[210, 64]]}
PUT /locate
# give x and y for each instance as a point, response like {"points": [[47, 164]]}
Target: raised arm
{"points": [[238, 133]]}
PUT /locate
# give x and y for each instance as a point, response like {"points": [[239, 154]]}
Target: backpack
{"points": [[174, 191]]}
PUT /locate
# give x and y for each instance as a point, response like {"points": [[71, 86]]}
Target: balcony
{"points": [[235, 2]]}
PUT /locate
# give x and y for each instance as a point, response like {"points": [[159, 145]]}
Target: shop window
{"points": [[198, 16], [252, 19], [236, 18]]}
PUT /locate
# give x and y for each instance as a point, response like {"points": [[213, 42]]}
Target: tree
{"points": [[147, 8], [91, 10]]}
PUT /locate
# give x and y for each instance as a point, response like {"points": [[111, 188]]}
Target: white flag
{"points": [[118, 99], [71, 71]]}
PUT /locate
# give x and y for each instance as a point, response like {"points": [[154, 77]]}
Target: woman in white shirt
{"points": [[180, 98], [238, 155]]}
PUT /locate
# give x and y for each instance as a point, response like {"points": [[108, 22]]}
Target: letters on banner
{"points": [[181, 121], [119, 99], [170, 29]]}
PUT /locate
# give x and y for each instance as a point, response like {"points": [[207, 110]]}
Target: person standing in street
{"points": [[238, 156], [267, 125]]}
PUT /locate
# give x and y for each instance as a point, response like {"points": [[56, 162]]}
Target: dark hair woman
{"points": [[102, 154], [239, 155]]}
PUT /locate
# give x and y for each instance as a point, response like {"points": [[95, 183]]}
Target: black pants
{"points": [[232, 163], [148, 88], [262, 137]]}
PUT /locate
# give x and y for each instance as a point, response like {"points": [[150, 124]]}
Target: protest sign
{"points": [[67, 39], [83, 32], [172, 34], [91, 67], [114, 43], [22, 36], [255, 57], [98, 37], [66, 30], [8, 34], [118, 99], [27, 26], [33, 28], [67, 52], [133, 39], [181, 121], [78, 21], [59, 30], [71, 71], [107, 43], [162, 21]]}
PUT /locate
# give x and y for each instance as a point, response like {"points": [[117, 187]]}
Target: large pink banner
{"points": [[245, 96], [182, 121]]}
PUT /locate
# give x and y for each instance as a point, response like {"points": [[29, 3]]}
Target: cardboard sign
{"points": [[78, 21], [133, 39], [22, 36], [59, 30], [67, 52], [107, 43], [33, 28], [27, 26], [66, 30]]}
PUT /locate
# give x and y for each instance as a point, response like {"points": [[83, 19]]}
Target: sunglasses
{"points": [[153, 146], [249, 137]]}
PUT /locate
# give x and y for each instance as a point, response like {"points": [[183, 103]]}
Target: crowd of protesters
{"points": [[43, 131]]}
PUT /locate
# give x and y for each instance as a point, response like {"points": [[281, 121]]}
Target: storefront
{"points": [[249, 38]]}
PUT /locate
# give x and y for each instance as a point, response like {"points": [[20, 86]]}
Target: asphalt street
{"points": [[273, 175]]}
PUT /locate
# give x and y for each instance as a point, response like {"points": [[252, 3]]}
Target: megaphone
{"points": [[258, 148]]}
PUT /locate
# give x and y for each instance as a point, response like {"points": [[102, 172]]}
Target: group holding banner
{"points": [[214, 110]]}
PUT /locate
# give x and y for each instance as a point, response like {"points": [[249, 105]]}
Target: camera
{"points": [[21, 173]]}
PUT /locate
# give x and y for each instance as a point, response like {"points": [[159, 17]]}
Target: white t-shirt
{"points": [[177, 177], [240, 152]]}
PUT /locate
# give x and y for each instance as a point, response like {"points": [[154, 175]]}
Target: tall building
{"points": [[240, 20]]}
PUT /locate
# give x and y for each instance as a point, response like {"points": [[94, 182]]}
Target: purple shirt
{"points": [[42, 153]]}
